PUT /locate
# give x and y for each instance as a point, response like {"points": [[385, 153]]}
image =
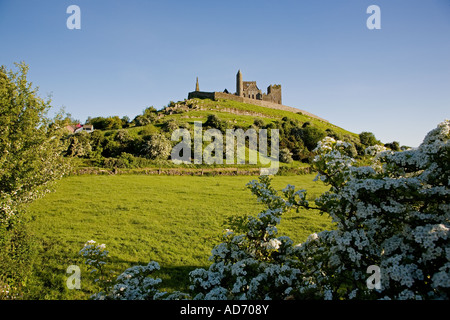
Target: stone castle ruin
{"points": [[248, 92]]}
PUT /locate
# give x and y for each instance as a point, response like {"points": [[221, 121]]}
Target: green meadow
{"points": [[173, 220]]}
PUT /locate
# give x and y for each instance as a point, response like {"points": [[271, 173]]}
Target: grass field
{"points": [[174, 220]]}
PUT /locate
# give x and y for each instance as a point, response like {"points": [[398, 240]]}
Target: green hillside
{"points": [[145, 141], [240, 114]]}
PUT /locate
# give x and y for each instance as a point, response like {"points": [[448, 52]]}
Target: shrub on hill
{"points": [[157, 147], [368, 139], [105, 123], [213, 121]]}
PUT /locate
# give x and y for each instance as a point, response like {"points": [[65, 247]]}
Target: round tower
{"points": [[239, 84]]}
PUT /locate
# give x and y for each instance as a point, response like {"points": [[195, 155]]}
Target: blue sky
{"points": [[394, 82]]}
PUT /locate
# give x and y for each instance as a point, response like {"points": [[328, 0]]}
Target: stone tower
{"points": [[197, 88], [239, 84]]}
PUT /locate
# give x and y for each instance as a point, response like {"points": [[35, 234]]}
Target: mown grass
{"points": [[174, 220]]}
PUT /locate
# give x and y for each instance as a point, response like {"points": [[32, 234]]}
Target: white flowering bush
{"points": [[394, 214], [136, 283], [133, 284], [95, 256], [255, 264], [157, 147]]}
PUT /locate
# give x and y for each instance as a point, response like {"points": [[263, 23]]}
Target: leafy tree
{"points": [[108, 123], [368, 139], [149, 115], [302, 154], [31, 148], [157, 147], [394, 146], [112, 148], [213, 121], [79, 145], [311, 136], [123, 136], [99, 123], [125, 121], [150, 110], [113, 123], [141, 120], [258, 123], [65, 119], [333, 134]]}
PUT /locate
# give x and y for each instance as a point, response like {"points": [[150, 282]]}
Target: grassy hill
{"points": [[119, 143], [233, 111], [239, 114]]}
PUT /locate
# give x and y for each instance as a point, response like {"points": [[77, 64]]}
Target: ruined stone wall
{"points": [[201, 95]]}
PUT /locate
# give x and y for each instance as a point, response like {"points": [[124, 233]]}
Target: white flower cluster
{"points": [[135, 284], [94, 254]]}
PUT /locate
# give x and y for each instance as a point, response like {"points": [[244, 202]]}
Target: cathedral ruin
{"points": [[250, 90], [244, 89]]}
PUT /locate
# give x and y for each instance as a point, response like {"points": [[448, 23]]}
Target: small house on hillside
{"points": [[78, 128], [86, 127]]}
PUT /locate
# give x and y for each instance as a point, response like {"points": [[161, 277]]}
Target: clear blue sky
{"points": [[394, 82]]}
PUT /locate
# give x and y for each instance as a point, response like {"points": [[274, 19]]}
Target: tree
{"points": [[368, 139], [31, 149], [150, 110], [311, 136], [149, 115], [108, 123], [157, 147], [259, 123], [80, 145], [213, 121], [394, 146], [113, 123], [99, 123], [125, 121]]}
